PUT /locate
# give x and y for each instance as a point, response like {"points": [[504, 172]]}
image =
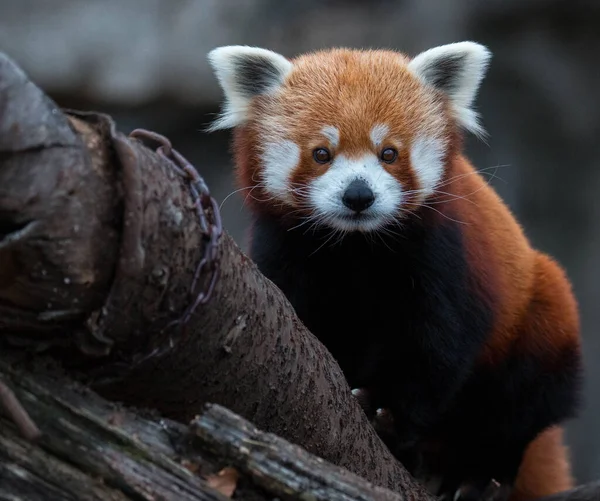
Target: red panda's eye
{"points": [[389, 155], [322, 155]]}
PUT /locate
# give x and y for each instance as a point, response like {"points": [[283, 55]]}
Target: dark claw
{"points": [[364, 400], [384, 422], [493, 491], [496, 492], [468, 492]]}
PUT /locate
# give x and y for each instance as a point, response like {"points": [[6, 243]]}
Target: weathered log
{"points": [[88, 449], [91, 449], [103, 239], [94, 450], [279, 467]]}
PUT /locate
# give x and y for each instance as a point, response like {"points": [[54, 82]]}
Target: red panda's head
{"points": [[352, 139]]}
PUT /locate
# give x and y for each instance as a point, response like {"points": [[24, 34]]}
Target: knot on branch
{"points": [[169, 248]]}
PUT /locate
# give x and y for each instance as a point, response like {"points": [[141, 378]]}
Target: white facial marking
{"points": [[279, 160], [378, 133], [332, 134], [427, 159], [326, 191]]}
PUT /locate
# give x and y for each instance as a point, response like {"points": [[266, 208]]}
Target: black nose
{"points": [[358, 196]]}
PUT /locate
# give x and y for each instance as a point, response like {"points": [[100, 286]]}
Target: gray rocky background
{"points": [[144, 61]]}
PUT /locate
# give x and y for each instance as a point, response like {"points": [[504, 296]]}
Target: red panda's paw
{"points": [[382, 421]]}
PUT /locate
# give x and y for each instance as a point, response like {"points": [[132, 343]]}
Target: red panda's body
{"points": [[396, 253]]}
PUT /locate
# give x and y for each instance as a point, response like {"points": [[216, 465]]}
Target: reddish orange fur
{"points": [[533, 292], [531, 289], [524, 279], [545, 469]]}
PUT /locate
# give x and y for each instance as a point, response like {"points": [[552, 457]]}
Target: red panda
{"points": [[404, 262]]}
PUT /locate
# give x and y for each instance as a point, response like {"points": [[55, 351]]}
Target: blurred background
{"points": [[144, 62]]}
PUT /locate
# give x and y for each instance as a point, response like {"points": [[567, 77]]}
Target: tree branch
{"points": [[104, 240]]}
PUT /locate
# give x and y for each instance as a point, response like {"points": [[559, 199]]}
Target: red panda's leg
{"points": [[535, 386], [545, 469]]}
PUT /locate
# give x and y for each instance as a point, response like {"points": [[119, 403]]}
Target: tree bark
{"points": [[57, 204], [85, 439], [89, 450], [94, 450], [102, 243]]}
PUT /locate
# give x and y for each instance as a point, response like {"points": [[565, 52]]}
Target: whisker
{"points": [[307, 220], [477, 171], [455, 196], [495, 176], [380, 234], [340, 238], [323, 244], [316, 222], [445, 215], [234, 192]]}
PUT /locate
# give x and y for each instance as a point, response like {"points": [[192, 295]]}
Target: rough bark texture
{"points": [[248, 352], [89, 449], [283, 468], [53, 270], [277, 466], [93, 450], [94, 219]]}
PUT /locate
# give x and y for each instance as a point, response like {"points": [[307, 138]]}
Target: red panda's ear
{"points": [[243, 73], [456, 69]]}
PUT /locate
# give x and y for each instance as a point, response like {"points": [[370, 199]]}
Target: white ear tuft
{"points": [[456, 69], [243, 73]]}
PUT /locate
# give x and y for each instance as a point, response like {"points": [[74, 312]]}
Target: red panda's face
{"points": [[346, 138]]}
